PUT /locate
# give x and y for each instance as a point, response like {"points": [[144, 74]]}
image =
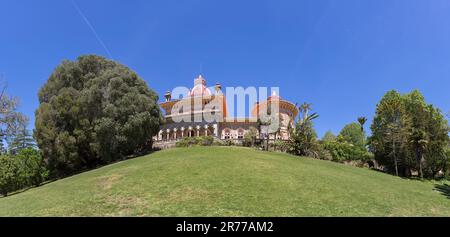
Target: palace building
{"points": [[204, 113]]}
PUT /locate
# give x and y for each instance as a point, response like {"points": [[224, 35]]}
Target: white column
{"points": [[175, 133], [198, 131], [168, 134], [182, 132], [190, 131], [216, 130], [206, 130]]}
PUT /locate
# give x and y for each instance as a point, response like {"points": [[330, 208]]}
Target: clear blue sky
{"points": [[342, 56]]}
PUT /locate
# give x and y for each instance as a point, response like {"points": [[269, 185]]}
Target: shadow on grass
{"points": [[444, 189]]}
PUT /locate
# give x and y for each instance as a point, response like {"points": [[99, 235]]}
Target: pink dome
{"points": [[200, 88]]}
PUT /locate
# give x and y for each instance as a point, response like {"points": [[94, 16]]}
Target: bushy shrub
{"points": [[344, 151], [10, 174], [34, 170], [207, 141], [195, 141], [324, 154], [248, 140], [278, 145], [185, 142], [228, 143], [250, 137], [20, 171]]}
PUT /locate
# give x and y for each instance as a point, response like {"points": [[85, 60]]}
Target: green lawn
{"points": [[224, 181]]}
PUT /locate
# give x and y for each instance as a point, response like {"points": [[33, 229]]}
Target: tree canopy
{"points": [[353, 134], [93, 111], [11, 121], [329, 137], [408, 134]]}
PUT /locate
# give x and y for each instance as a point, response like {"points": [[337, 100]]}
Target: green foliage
{"points": [[20, 171], [3, 150], [21, 141], [94, 111], [207, 141], [353, 134], [362, 121], [34, 169], [281, 146], [186, 142], [250, 137], [303, 141], [10, 175], [329, 137], [196, 141], [408, 135], [228, 142], [344, 151]]}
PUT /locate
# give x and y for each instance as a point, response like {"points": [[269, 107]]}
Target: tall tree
{"points": [[21, 141], [93, 111], [390, 128], [11, 121], [413, 134]]}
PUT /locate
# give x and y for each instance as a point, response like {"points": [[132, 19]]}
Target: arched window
{"points": [[241, 133], [227, 133]]}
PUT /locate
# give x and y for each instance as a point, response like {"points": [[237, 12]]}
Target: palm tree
{"points": [[362, 121], [303, 137], [304, 113]]}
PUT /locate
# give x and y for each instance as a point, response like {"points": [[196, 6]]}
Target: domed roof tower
{"points": [[200, 88]]}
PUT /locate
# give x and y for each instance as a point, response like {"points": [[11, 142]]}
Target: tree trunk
{"points": [[420, 166], [396, 166], [395, 158]]}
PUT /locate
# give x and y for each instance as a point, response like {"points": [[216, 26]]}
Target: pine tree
{"points": [[3, 150], [21, 141]]}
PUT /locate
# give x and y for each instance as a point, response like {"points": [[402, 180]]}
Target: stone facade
{"points": [[204, 113]]}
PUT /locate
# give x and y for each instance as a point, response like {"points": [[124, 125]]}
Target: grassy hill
{"points": [[224, 181]]}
